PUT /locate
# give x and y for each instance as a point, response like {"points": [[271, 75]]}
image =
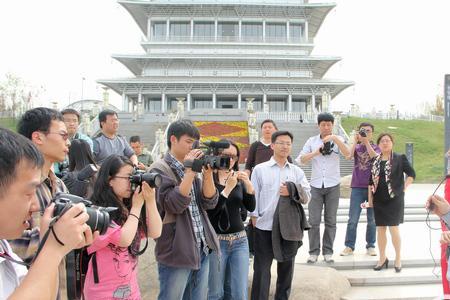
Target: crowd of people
{"points": [[197, 217]]}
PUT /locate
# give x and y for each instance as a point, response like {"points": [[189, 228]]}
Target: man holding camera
{"points": [[323, 150], [109, 142], [363, 150], [187, 236], [20, 174]]}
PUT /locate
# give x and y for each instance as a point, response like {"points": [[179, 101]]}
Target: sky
{"points": [[396, 52]]}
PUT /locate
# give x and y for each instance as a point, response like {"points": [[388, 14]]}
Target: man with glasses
{"points": [[362, 151], [323, 150], [46, 130], [268, 179]]}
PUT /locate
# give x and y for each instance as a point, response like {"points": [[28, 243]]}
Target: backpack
{"points": [[77, 262]]}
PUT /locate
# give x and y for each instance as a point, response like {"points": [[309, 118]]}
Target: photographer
{"points": [[81, 176], [187, 236], [323, 150], [20, 173], [117, 251], [236, 190], [363, 151]]}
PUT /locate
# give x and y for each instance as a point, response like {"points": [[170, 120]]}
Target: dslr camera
{"points": [[139, 176], [98, 216], [363, 132], [327, 148], [212, 156]]}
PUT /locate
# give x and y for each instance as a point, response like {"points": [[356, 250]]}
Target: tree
{"points": [[438, 108]]}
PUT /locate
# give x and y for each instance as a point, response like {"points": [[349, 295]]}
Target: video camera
{"points": [[154, 180], [212, 156], [98, 216]]}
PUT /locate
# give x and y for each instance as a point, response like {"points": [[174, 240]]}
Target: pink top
{"points": [[117, 269]]}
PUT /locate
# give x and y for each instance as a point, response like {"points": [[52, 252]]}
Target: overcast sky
{"points": [[396, 52]]}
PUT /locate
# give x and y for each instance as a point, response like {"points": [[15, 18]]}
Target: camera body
{"points": [[362, 132], [154, 180], [212, 156], [327, 148], [98, 216]]}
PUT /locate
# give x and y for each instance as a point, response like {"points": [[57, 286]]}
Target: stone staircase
{"points": [[420, 277]]}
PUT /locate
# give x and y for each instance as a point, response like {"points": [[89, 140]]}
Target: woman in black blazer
{"points": [[386, 194]]}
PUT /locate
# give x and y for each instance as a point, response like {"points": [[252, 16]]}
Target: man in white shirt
{"points": [[323, 150], [20, 173], [268, 179]]}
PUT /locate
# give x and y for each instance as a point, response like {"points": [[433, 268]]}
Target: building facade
{"points": [[222, 54]]}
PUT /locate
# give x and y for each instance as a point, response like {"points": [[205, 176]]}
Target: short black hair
{"points": [[104, 114], [276, 134], [135, 139], [71, 111], [37, 119], [180, 128], [269, 121], [365, 124], [325, 117], [15, 148]]}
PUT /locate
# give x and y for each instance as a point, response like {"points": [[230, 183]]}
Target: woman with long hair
{"points": [[113, 274], [387, 196], [228, 274], [81, 177]]}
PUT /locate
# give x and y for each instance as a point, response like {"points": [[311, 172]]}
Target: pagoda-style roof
{"points": [[319, 65], [315, 13], [203, 85]]}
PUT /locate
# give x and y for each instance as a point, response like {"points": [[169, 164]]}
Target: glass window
{"points": [[295, 31], [204, 29], [252, 31], [159, 29], [276, 31], [178, 29], [228, 29]]}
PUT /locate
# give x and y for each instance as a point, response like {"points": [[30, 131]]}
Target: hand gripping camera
{"points": [[211, 158], [327, 148], [154, 180], [363, 132], [98, 216]]}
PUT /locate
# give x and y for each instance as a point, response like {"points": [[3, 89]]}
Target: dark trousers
{"points": [[261, 269]]}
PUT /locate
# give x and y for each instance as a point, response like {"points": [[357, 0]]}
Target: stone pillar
{"points": [[215, 30], [167, 29], [305, 32], [125, 105], [188, 104], [105, 97], [192, 29], [239, 101], [265, 103], [313, 103], [180, 106], [240, 30], [214, 99], [264, 30], [289, 103], [149, 29], [325, 101], [287, 31], [140, 105], [163, 102]]}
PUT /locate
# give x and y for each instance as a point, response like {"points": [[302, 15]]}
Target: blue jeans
{"points": [[228, 275], [357, 197], [184, 284]]}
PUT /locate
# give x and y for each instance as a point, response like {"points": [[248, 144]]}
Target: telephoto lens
{"points": [[154, 180]]}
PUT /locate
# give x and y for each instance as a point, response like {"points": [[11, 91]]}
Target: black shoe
{"points": [[398, 269], [385, 264]]}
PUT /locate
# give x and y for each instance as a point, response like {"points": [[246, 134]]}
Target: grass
{"points": [[9, 123], [427, 137]]}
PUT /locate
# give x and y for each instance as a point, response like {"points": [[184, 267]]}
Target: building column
{"points": [[239, 101], [140, 105], [287, 31], [125, 105], [214, 99], [264, 30], [163, 102], [149, 29], [167, 29], [240, 30], [289, 103], [265, 103], [188, 104], [192, 29], [215, 30], [313, 103], [305, 33]]}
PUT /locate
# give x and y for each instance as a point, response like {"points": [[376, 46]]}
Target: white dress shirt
{"points": [[11, 274], [325, 168], [266, 179]]}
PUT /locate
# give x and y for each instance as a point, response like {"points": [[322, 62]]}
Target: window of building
{"points": [[204, 29], [295, 32], [159, 28], [276, 31], [252, 31], [180, 29], [228, 29]]}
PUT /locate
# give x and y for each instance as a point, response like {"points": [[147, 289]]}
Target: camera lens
{"points": [[98, 219]]}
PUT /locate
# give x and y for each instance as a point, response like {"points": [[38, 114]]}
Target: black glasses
{"points": [[233, 157], [64, 135]]}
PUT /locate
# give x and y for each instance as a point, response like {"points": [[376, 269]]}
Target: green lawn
{"points": [[428, 139], [8, 123]]}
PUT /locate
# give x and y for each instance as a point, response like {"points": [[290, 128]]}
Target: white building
{"points": [[223, 53]]}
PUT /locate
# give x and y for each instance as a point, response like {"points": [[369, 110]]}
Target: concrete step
{"points": [[387, 277], [395, 292]]}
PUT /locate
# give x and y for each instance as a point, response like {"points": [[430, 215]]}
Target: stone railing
{"points": [[285, 116]]}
